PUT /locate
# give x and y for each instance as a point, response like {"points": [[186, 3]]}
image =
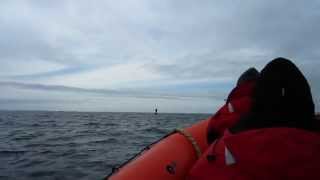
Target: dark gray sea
{"points": [[77, 145]]}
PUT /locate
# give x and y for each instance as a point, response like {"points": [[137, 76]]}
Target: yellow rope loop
{"points": [[193, 142]]}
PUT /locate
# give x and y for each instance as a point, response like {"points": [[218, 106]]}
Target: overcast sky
{"points": [[135, 55]]}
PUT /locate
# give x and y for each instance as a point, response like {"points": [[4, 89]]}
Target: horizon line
{"points": [[75, 111]]}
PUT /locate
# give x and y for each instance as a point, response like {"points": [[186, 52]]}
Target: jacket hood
{"points": [[283, 90], [281, 98]]}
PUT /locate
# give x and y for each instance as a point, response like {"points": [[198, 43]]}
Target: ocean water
{"points": [[77, 145]]}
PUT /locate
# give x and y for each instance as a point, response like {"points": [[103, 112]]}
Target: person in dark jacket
{"points": [[282, 98], [278, 139]]}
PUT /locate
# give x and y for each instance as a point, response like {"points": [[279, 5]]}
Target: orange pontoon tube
{"points": [[171, 158]]}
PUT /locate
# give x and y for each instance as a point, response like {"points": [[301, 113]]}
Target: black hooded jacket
{"points": [[282, 98]]}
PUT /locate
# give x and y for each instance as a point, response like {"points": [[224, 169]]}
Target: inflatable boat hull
{"points": [[169, 159]]}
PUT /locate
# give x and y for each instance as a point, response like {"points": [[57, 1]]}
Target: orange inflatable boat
{"points": [[170, 158]]}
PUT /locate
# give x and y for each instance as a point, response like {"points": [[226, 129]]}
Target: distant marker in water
{"points": [[156, 111]]}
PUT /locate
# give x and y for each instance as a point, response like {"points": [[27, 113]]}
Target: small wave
{"points": [[48, 121], [116, 133], [45, 116], [46, 152], [24, 137], [38, 145], [105, 141], [155, 130], [35, 125], [92, 124], [92, 150], [110, 124], [10, 123], [12, 153], [32, 163], [18, 161], [60, 138], [42, 174], [85, 132], [93, 142], [79, 156], [68, 152]]}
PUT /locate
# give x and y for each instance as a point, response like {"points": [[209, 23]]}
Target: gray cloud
{"points": [[182, 42]]}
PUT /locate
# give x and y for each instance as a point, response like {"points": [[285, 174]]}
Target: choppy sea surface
{"points": [[77, 145]]}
